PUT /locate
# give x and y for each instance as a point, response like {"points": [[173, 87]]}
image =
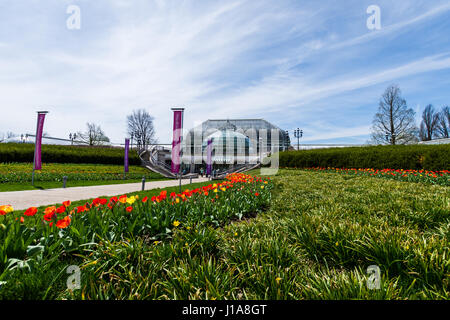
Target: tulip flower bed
{"points": [[28, 238], [432, 177], [21, 172]]}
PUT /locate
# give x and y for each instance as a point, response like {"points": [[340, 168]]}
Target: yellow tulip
{"points": [[131, 200], [7, 208]]}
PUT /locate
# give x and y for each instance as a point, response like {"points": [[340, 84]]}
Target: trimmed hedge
{"points": [[412, 157], [24, 152]]}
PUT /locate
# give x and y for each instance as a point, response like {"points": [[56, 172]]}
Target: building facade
{"points": [[234, 142]]}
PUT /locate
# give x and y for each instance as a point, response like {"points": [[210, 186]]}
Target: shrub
{"points": [[413, 157]]}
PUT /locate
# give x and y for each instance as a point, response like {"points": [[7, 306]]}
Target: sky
{"points": [[313, 65]]}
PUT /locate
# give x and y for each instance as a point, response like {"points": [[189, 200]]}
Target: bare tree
{"points": [[141, 128], [428, 126], [443, 123], [394, 122], [94, 135]]}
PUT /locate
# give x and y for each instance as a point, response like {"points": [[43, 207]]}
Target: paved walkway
{"points": [[20, 200]]}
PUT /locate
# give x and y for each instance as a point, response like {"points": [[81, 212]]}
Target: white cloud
{"points": [[219, 59]]}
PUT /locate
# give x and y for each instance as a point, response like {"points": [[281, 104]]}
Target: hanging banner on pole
{"points": [[127, 147], [38, 143], [176, 142], [209, 158]]}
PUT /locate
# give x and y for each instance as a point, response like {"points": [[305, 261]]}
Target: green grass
{"points": [[316, 241]]}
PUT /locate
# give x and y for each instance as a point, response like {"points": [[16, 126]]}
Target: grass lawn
{"points": [[17, 176], [316, 241]]}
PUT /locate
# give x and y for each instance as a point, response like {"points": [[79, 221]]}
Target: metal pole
{"points": [[64, 181], [143, 183]]}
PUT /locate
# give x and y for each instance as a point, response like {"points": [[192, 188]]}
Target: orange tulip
{"points": [[50, 210], [63, 223], [123, 199]]}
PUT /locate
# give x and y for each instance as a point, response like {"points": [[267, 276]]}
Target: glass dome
{"points": [[231, 140]]}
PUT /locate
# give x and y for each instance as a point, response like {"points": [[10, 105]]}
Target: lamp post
{"points": [[72, 136], [298, 134], [390, 138]]}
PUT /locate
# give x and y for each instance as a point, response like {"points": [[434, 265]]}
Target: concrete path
{"points": [[20, 200]]}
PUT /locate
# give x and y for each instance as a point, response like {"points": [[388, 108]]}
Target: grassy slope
{"points": [[316, 242]]}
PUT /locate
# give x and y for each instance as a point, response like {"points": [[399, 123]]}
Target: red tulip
{"points": [[30, 211], [61, 209]]}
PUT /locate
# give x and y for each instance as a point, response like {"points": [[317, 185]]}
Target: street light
{"points": [[392, 138], [298, 134], [72, 136]]}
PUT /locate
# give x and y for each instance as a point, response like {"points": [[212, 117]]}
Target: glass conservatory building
{"points": [[234, 142]]}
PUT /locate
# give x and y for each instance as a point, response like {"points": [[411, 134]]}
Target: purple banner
{"points": [[38, 144], [209, 158], [176, 142], [127, 147]]}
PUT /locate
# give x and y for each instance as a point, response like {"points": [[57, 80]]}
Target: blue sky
{"points": [[308, 64]]}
